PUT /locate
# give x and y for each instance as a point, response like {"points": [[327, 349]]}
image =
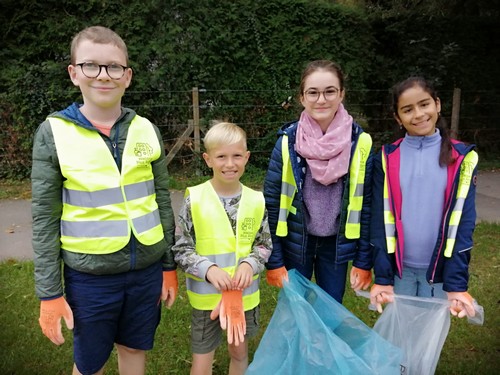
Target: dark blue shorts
{"points": [[107, 309]]}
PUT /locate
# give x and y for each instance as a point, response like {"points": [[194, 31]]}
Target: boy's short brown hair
{"points": [[100, 35], [224, 133]]}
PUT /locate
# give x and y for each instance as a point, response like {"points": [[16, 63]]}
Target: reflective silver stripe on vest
{"points": [[101, 228], [222, 260], [287, 189], [146, 222], [282, 216], [92, 199], [387, 206], [201, 287], [390, 228], [354, 217], [106, 197], [139, 190], [452, 229], [358, 192]]}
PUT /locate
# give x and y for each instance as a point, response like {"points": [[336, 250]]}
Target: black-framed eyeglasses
{"points": [[92, 70], [330, 93]]}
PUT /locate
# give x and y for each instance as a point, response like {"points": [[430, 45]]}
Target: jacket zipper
{"points": [[133, 252], [116, 156]]}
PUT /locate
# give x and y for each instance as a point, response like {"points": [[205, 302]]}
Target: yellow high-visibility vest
{"points": [[288, 190], [357, 171], [102, 205], [389, 220], [216, 240], [466, 170]]}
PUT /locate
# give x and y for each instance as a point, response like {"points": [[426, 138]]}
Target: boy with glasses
{"points": [[101, 205]]}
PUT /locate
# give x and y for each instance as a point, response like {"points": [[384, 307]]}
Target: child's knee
{"points": [[125, 350], [238, 353]]}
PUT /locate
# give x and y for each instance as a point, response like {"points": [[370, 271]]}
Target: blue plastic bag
{"points": [[311, 333]]}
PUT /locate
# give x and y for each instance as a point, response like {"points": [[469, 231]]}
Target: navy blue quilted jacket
{"points": [[293, 246], [452, 272]]}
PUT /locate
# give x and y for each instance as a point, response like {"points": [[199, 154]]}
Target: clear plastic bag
{"points": [[478, 318], [311, 333], [417, 325]]}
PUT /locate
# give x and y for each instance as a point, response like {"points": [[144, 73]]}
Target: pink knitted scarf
{"points": [[327, 155]]}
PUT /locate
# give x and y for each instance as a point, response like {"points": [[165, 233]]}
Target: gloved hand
{"points": [[461, 304], [275, 277], [232, 316], [380, 294], [51, 313], [360, 278], [169, 288]]}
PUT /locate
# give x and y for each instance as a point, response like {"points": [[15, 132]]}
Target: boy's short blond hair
{"points": [[100, 35], [222, 134]]}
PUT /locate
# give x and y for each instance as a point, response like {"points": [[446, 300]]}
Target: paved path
{"points": [[15, 216]]}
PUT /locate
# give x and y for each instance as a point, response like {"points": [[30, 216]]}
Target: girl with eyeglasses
{"points": [[317, 189]]}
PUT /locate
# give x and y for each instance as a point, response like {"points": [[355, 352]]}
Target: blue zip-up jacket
{"points": [[293, 246], [47, 181], [453, 272]]}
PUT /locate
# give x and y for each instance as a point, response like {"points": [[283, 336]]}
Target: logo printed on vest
{"points": [[143, 152], [247, 229], [363, 157], [467, 168]]}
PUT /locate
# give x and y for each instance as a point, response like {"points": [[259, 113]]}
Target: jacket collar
{"points": [[72, 113]]}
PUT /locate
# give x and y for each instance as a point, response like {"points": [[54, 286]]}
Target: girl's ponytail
{"points": [[445, 155]]}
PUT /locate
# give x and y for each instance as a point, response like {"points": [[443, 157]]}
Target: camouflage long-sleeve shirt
{"points": [[191, 262]]}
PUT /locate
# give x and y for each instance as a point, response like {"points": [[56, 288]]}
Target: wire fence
{"points": [[261, 113], [476, 116]]}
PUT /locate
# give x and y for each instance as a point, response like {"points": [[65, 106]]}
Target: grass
{"points": [[180, 179], [21, 189], [468, 349], [15, 189]]}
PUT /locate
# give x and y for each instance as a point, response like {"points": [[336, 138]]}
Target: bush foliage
{"points": [[246, 57]]}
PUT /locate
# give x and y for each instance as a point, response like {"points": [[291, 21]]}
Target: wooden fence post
{"points": [[196, 124], [455, 113], [196, 119], [180, 142], [193, 126]]}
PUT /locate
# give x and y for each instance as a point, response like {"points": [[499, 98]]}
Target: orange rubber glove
{"points": [[170, 288], [360, 278], [275, 277], [232, 316], [380, 294], [461, 304], [51, 313]]}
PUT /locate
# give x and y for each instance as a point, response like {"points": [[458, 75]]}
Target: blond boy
{"points": [[224, 245]]}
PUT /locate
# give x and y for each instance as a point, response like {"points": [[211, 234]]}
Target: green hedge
{"points": [[246, 55]]}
